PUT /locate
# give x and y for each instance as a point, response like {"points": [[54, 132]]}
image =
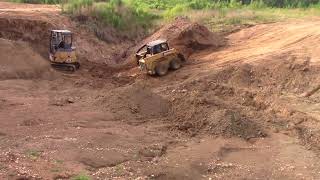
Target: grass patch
{"points": [[56, 170], [230, 19], [77, 7], [57, 161], [178, 10], [33, 154], [81, 177]]}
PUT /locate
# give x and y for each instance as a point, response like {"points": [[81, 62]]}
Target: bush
{"points": [[38, 1], [175, 11], [81, 177], [258, 4], [123, 15], [109, 14], [200, 4], [287, 3], [77, 6]]}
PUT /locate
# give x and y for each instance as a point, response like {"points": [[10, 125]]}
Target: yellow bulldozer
{"points": [[62, 53], [157, 58]]}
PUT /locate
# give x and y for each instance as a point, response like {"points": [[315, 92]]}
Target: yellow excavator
{"points": [[62, 53]]}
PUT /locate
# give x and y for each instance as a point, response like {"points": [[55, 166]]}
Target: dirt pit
{"points": [[19, 61], [223, 118]]}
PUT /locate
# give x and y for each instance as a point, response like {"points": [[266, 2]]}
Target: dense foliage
{"points": [[38, 1], [200, 4], [129, 14]]}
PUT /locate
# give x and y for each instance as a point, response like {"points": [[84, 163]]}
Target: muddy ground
{"points": [[239, 111]]}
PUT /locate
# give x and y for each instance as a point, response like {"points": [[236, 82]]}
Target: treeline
{"points": [[227, 3], [213, 4], [279, 3], [137, 14], [200, 4]]}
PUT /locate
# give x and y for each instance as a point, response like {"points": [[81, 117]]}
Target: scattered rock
{"points": [[99, 160], [70, 100], [2, 134], [63, 101], [31, 122], [156, 150], [62, 176]]}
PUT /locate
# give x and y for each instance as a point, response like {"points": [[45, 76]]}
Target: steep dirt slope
{"points": [[19, 61], [270, 40]]}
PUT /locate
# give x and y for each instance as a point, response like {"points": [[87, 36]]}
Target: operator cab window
{"points": [[56, 40], [148, 50], [67, 41], [157, 49], [160, 48], [164, 47]]}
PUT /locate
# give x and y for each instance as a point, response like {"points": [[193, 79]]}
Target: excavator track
{"points": [[66, 67]]}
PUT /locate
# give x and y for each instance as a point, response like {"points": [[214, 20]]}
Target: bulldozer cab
{"points": [[60, 40], [156, 57], [152, 48], [156, 47]]}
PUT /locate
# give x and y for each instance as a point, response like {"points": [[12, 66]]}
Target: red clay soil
{"points": [[235, 112]]}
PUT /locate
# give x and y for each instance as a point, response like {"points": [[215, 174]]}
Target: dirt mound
{"points": [[142, 99], [232, 123], [204, 106], [187, 36], [136, 100], [241, 99], [19, 61], [282, 72]]}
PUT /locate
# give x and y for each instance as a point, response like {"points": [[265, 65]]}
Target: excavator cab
{"points": [[62, 53]]}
